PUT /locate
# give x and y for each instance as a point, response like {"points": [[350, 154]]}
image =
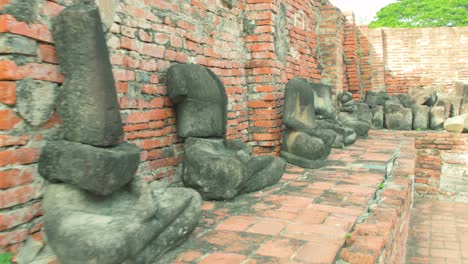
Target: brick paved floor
{"points": [[438, 233], [303, 219]]}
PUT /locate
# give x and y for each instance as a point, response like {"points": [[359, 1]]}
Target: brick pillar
{"points": [[364, 59], [330, 47], [351, 55], [377, 58], [265, 70]]}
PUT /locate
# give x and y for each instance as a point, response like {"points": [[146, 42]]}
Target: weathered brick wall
{"points": [[330, 46], [405, 58], [442, 165], [351, 56], [25, 52], [255, 47]]}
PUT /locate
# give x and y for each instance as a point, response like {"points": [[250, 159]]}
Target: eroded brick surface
{"points": [[438, 233], [304, 218]]}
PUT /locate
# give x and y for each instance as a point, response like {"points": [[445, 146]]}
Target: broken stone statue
{"points": [[355, 115], [397, 117], [95, 210], [217, 168], [326, 116], [305, 143]]}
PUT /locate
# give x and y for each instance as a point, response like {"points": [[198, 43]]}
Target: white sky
{"points": [[364, 10]]}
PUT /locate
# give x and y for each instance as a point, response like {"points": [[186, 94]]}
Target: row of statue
{"points": [[97, 211], [421, 109]]}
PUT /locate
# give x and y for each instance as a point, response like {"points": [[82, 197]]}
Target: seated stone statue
{"points": [[95, 210], [220, 169], [133, 225], [305, 143], [326, 116], [355, 115], [200, 100], [217, 168]]}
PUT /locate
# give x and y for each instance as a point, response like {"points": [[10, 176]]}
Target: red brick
{"points": [[267, 227], [322, 251], [19, 156], [19, 216], [280, 248], [15, 177], [18, 195], [51, 9], [8, 119], [223, 258], [48, 54], [6, 140], [8, 93], [237, 223]]}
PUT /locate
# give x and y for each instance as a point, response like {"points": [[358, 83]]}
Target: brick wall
{"points": [[255, 47], [330, 47], [442, 165], [351, 56], [404, 58]]}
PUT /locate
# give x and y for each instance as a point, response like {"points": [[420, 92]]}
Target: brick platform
{"points": [[306, 217], [438, 233]]}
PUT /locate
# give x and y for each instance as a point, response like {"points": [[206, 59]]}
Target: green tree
{"points": [[422, 13]]}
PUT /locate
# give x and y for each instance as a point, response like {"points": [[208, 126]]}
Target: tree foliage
{"points": [[422, 13]]}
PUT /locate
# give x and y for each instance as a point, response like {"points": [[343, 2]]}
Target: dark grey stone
{"points": [[420, 117], [377, 117], [423, 96], [374, 99], [437, 117], [355, 115], [36, 100], [323, 102], [326, 116], [98, 170], [405, 100], [107, 9], [88, 105], [221, 169], [344, 135], [345, 97], [264, 171], [304, 142], [200, 99], [447, 104], [397, 117], [230, 3], [16, 44], [134, 225]]}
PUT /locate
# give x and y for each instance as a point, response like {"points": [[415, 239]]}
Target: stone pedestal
{"points": [[397, 117], [421, 117], [437, 117]]}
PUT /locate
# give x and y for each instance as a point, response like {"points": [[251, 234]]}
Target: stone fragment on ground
{"points": [[437, 117], [397, 117], [421, 117], [457, 124]]}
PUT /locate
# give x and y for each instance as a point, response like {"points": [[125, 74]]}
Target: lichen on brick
{"points": [[26, 11]]}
